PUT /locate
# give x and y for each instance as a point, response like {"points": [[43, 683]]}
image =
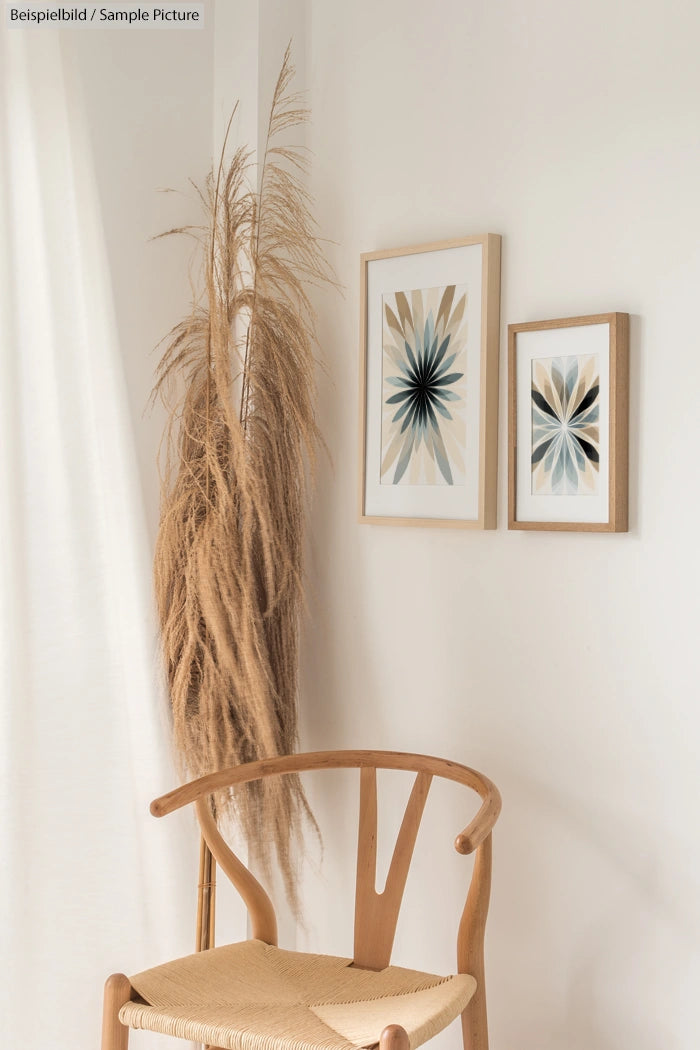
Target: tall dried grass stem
{"points": [[238, 377]]}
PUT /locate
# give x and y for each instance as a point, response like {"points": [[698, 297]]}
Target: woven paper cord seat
{"points": [[253, 996]]}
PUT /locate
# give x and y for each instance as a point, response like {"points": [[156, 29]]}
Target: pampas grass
{"points": [[240, 452]]}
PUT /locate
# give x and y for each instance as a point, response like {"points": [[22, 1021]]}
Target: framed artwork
{"points": [[568, 391], [429, 384]]}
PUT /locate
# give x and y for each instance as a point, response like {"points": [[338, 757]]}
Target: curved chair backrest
{"points": [[376, 914]]}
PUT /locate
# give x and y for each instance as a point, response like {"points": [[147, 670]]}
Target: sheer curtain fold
{"points": [[90, 882]]}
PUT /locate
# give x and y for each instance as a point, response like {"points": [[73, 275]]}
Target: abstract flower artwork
{"points": [[424, 386], [565, 451], [568, 395], [429, 326]]}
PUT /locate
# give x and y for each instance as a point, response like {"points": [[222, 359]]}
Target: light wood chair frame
{"points": [[376, 914]]}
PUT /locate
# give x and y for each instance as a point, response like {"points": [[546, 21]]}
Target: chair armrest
{"points": [[480, 827]]}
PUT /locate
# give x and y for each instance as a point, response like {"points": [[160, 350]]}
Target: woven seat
{"points": [[253, 996]]}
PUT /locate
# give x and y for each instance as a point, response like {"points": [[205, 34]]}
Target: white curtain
{"points": [[91, 883]]}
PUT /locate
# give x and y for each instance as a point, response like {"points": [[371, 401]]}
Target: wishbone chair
{"points": [[256, 996]]}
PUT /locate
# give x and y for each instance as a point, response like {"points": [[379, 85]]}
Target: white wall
{"points": [[565, 666]]}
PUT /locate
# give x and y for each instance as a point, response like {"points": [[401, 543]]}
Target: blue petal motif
{"points": [[436, 365], [441, 408], [441, 457], [571, 379], [559, 448], [395, 398], [451, 378], [404, 459], [411, 358], [404, 408], [422, 390]]}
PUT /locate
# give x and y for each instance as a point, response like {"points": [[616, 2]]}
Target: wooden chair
{"points": [[255, 996]]}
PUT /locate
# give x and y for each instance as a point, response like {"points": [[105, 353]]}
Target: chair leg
{"points": [[394, 1037], [115, 1035], [475, 1033]]}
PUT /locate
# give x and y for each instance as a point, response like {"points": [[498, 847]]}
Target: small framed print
{"points": [[568, 391], [429, 384]]}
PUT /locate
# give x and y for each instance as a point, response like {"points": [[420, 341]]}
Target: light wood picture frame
{"points": [[429, 324], [568, 409]]}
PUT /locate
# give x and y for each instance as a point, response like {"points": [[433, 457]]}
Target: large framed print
{"points": [[568, 389], [429, 384]]}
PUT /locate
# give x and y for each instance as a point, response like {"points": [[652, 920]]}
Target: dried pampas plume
{"points": [[240, 451]]}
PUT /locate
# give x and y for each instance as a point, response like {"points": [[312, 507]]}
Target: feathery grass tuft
{"points": [[240, 446]]}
